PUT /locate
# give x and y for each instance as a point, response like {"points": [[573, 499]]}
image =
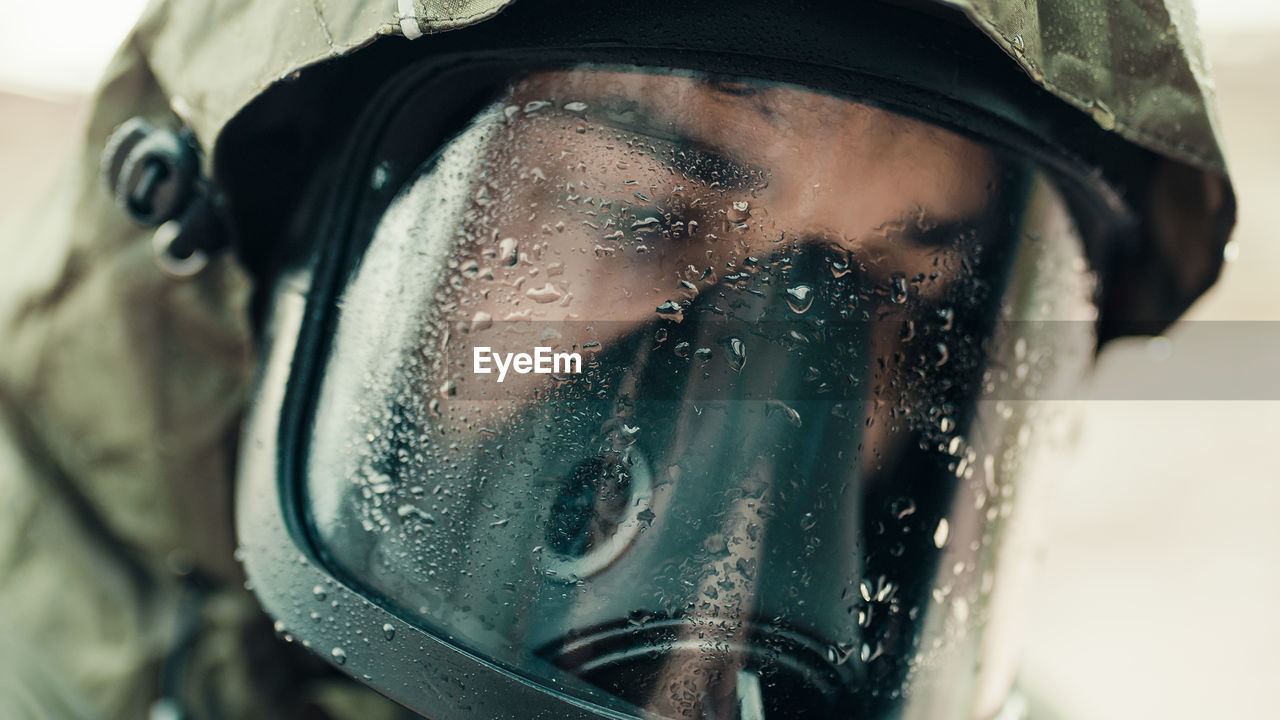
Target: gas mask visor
{"points": [[662, 394]]}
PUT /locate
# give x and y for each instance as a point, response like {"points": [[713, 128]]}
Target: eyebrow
{"points": [[728, 85], [693, 157]]}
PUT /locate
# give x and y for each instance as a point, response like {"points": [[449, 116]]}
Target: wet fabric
{"points": [[121, 390]]}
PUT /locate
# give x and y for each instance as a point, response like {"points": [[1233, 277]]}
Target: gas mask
{"points": [[664, 393]]}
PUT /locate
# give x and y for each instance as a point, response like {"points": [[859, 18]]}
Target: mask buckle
{"points": [[154, 175]]}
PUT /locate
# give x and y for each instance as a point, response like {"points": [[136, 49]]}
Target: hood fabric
{"points": [[121, 390]]}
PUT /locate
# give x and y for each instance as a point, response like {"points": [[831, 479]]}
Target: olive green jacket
{"points": [[121, 390]]}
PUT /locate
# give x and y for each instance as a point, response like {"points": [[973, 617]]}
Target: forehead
{"points": [[864, 163]]}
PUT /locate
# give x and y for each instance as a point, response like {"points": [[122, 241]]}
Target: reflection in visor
{"points": [[770, 492]]}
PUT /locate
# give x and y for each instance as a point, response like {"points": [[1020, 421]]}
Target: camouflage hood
{"points": [[121, 390], [1135, 66]]}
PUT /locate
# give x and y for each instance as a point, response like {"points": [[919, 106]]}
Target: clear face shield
{"points": [[701, 398]]}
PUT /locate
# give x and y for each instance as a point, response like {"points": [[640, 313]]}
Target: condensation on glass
{"points": [[814, 336]]}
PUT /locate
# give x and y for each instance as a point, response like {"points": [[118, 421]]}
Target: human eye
{"points": [[713, 168]]}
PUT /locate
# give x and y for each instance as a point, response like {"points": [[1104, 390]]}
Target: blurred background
{"points": [[1158, 589]]}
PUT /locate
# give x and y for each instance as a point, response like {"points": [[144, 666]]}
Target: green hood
{"points": [[121, 390], [1135, 67]]}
